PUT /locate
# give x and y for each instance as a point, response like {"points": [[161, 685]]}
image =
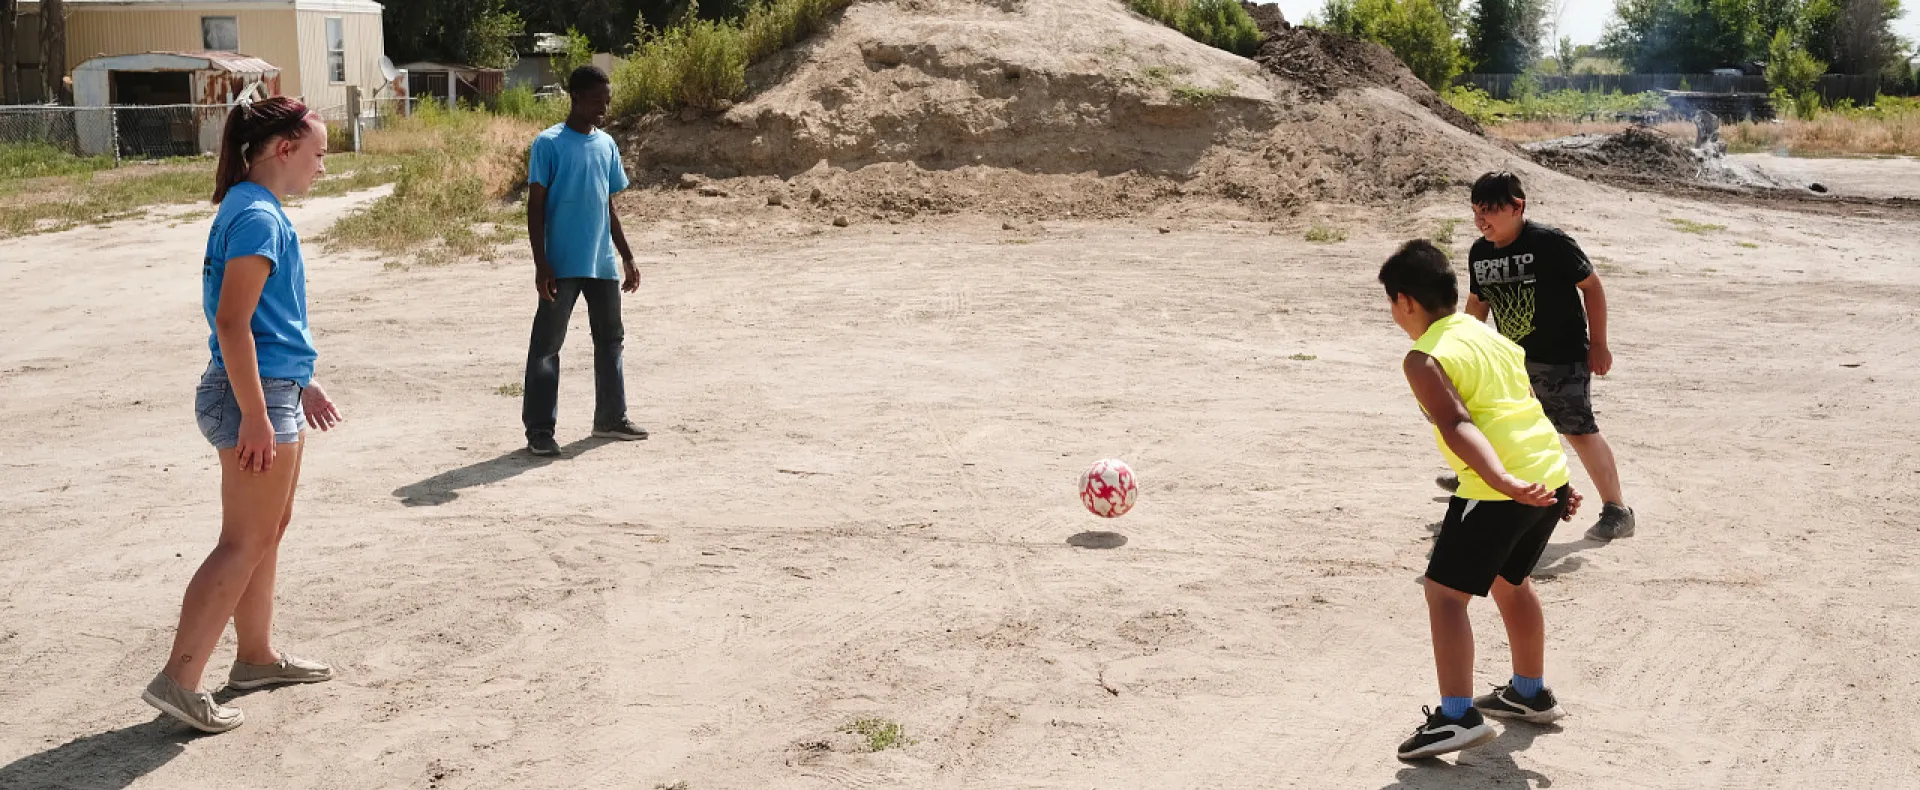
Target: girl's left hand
{"points": [[321, 413]]}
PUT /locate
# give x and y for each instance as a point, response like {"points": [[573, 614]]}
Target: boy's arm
{"points": [[1448, 413], [632, 272], [537, 235], [1599, 356]]}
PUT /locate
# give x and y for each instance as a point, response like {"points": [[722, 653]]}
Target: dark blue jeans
{"points": [[542, 406]]}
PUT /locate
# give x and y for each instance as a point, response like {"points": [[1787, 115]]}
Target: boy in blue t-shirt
{"points": [[572, 174]]}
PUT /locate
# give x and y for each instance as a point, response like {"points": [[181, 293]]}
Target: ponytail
{"points": [[248, 126]]}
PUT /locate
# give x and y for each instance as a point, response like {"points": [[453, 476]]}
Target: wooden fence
{"points": [[1833, 87]]}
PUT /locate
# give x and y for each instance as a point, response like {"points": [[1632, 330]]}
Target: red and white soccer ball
{"points": [[1107, 489]]}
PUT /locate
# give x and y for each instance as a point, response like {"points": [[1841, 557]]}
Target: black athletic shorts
{"points": [[1484, 539], [1566, 393]]}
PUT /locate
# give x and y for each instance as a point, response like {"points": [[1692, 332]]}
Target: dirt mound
{"points": [[1640, 156], [1055, 106], [1328, 62]]}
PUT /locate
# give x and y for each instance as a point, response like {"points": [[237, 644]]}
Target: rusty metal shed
{"points": [[180, 99]]}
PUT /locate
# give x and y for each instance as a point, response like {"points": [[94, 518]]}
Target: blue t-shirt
{"points": [[581, 172], [250, 222]]}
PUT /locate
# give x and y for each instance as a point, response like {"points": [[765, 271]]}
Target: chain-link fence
{"points": [[122, 132]]}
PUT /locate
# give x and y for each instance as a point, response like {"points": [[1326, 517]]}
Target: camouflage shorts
{"points": [[1566, 392]]}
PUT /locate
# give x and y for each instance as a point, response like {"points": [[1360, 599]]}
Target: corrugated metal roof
{"points": [[232, 61], [220, 61]]}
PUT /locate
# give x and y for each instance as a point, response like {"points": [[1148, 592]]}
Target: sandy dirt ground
{"points": [[858, 503], [1873, 177]]}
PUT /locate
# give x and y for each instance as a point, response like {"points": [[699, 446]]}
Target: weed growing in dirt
{"points": [[1326, 234], [1689, 226], [1303, 357], [1443, 233], [513, 390], [355, 172], [881, 734], [1192, 94]]}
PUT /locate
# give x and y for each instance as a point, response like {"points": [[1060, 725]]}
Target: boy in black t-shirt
{"points": [[1544, 295]]}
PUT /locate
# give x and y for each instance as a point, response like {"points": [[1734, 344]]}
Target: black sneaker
{"points": [[1505, 703], [1450, 482], [1441, 735], [543, 445], [626, 431], [1616, 521]]}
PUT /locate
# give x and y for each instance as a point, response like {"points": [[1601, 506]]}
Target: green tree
{"points": [[1854, 36], [1683, 36], [579, 52], [1864, 41], [1503, 36], [1565, 55], [1416, 31], [476, 32], [1792, 74], [489, 42]]}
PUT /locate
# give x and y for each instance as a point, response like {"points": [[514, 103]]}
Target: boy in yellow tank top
{"points": [[1514, 487]]}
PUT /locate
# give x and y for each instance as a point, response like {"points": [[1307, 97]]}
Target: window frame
{"points": [[334, 77], [206, 44]]}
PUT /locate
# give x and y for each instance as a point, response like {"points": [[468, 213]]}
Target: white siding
{"points": [[366, 44]]}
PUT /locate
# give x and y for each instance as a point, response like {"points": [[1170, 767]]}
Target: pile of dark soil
{"points": [[1329, 62]]}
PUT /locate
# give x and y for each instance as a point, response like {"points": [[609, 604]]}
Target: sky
{"points": [[1585, 19]]}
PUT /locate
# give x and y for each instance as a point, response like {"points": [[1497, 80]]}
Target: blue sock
{"points": [[1528, 687], [1455, 707]]}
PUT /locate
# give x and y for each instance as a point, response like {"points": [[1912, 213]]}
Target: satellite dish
{"points": [[387, 70]]}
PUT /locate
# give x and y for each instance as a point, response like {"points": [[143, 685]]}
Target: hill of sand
{"points": [[1067, 107]]}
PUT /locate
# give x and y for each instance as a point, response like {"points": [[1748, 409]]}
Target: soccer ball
{"points": [[1107, 489]]}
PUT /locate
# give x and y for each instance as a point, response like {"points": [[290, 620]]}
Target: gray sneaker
{"points": [[289, 669], [1616, 521], [624, 431], [196, 709]]}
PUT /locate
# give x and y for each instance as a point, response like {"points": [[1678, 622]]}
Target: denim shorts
{"points": [[219, 410]]}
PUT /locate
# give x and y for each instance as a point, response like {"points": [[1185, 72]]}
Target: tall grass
{"points": [[521, 102], [1562, 106], [1891, 127], [453, 170], [703, 63], [56, 203], [39, 160], [1222, 24]]}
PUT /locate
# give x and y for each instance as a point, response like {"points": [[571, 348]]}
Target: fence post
{"points": [[353, 114], [113, 133]]}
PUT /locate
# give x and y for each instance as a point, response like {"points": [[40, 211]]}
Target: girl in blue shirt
{"points": [[252, 402]]}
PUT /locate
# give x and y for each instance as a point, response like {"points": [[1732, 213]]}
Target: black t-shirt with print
{"points": [[1530, 284]]}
